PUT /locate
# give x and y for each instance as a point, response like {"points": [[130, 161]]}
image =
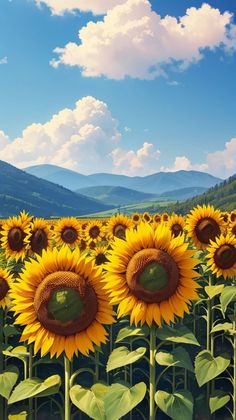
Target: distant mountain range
{"points": [[158, 183], [20, 190]]}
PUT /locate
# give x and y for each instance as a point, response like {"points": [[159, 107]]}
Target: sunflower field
{"points": [[127, 317]]}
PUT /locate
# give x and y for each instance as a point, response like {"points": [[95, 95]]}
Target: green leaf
{"points": [[10, 330], [120, 399], [178, 357], [227, 296], [177, 335], [226, 326], [127, 332], [177, 406], [218, 400], [19, 416], [208, 367], [90, 401], [35, 387], [213, 291], [122, 357], [8, 380], [20, 352]]}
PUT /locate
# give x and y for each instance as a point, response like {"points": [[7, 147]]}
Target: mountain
{"points": [[157, 183], [65, 177], [19, 190], [222, 196], [118, 196]]}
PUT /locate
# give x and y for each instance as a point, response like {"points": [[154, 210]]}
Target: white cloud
{"points": [[141, 162], [85, 139], [97, 7], [220, 163], [3, 60], [132, 40]]}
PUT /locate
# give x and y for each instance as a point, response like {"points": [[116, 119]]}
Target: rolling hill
{"points": [[118, 196], [157, 183], [19, 190], [222, 196]]}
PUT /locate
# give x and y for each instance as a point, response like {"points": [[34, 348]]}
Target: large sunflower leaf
{"points": [[35, 387], [122, 356], [227, 296], [90, 401], [128, 332], [178, 357], [19, 352], [120, 399], [226, 326], [208, 367], [218, 400], [213, 291], [177, 406], [19, 416], [8, 380], [177, 335]]}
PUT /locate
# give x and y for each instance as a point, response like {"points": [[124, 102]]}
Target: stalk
{"points": [[30, 372], [234, 362], [67, 388], [96, 374], [152, 372], [1, 359]]}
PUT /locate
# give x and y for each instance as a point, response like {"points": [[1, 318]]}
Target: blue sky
{"points": [[181, 119]]}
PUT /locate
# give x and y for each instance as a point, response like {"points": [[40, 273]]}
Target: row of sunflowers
{"points": [[132, 317]]}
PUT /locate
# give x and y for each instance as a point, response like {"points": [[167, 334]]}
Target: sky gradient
{"points": [[135, 92]]}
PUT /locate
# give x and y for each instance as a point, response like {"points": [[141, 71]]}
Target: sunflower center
{"points": [[234, 230], [233, 217], [100, 259], [16, 239], [4, 287], [65, 303], [165, 217], [119, 231], [207, 229], [176, 229], [152, 275], [94, 232], [69, 235], [225, 256], [39, 241], [136, 218]]}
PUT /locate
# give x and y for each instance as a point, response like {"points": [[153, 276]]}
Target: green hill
{"points": [[222, 196], [118, 196], [19, 190]]}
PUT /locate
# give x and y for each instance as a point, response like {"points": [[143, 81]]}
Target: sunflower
{"points": [[14, 236], [146, 217], [222, 256], [156, 218], [67, 231], [232, 228], [176, 224], [40, 236], [204, 224], [225, 217], [233, 216], [99, 253], [136, 218], [94, 232], [6, 280], [165, 217], [60, 301], [150, 275], [118, 225]]}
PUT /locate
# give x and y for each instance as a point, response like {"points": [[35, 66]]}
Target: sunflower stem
{"points": [[2, 403], [67, 388], [234, 361], [96, 373], [30, 372], [209, 337], [152, 371]]}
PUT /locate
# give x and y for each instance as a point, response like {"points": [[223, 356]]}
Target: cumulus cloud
{"points": [[85, 139], [220, 163], [132, 40], [97, 7], [141, 162]]}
